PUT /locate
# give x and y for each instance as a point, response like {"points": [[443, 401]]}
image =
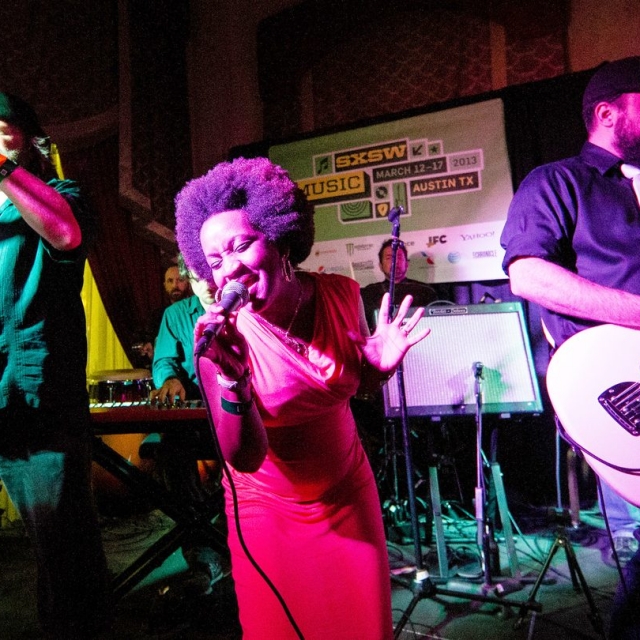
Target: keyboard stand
{"points": [[188, 516]]}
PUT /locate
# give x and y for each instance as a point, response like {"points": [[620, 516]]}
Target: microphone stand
{"points": [[484, 528], [394, 218], [421, 585]]}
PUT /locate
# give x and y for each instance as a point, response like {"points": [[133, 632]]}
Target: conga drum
{"points": [[117, 390]]}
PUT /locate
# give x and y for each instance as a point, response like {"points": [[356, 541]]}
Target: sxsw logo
{"points": [[371, 156]]}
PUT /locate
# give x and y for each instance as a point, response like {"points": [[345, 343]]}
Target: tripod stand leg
{"points": [[576, 572], [436, 506], [506, 520], [406, 616], [422, 587], [572, 481], [577, 578], [532, 594]]}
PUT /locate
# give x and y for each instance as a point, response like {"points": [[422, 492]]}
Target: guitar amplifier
{"points": [[440, 373]]}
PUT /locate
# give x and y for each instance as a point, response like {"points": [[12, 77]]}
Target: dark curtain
{"points": [[543, 123], [128, 261], [160, 131], [126, 267]]}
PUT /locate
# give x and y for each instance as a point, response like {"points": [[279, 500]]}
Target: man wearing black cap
{"points": [[44, 417], [572, 242]]}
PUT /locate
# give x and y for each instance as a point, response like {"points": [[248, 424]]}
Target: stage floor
{"points": [[155, 608]]}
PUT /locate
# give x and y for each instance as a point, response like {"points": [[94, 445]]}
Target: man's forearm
{"points": [[562, 291], [43, 209]]}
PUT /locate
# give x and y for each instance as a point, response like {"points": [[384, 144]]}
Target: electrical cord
{"points": [[236, 512]]}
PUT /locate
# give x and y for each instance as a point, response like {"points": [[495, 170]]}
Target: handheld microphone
{"points": [[477, 369], [234, 295]]}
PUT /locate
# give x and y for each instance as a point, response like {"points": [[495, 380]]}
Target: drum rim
{"points": [[120, 375]]}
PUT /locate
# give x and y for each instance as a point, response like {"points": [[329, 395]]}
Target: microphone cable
{"points": [[236, 512]]}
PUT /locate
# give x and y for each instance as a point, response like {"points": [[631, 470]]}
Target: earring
{"points": [[217, 296], [287, 269]]}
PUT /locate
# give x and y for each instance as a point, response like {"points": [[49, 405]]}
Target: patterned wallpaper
{"points": [[62, 57], [322, 64], [536, 58], [367, 63], [430, 58], [158, 113]]}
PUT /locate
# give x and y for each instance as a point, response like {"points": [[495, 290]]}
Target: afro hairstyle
{"points": [[273, 203]]}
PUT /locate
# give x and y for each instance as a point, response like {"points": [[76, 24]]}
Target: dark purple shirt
{"points": [[582, 214]]}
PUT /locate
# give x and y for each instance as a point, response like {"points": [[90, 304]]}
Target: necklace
{"points": [[297, 345]]}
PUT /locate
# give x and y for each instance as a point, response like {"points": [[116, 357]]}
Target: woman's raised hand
{"points": [[392, 339]]}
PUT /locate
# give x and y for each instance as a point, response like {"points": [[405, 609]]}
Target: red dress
{"points": [[310, 516]]}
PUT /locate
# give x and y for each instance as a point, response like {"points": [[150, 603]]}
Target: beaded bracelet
{"points": [[7, 167], [235, 385], [236, 408]]}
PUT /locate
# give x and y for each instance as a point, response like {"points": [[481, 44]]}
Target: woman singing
{"points": [[278, 377]]}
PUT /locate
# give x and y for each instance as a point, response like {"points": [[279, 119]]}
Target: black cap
{"points": [[16, 111], [612, 79]]}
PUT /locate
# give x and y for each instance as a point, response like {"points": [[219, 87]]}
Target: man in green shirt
{"points": [[177, 453], [45, 455], [174, 375]]}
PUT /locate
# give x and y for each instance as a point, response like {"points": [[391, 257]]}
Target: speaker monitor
{"points": [[440, 371]]}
